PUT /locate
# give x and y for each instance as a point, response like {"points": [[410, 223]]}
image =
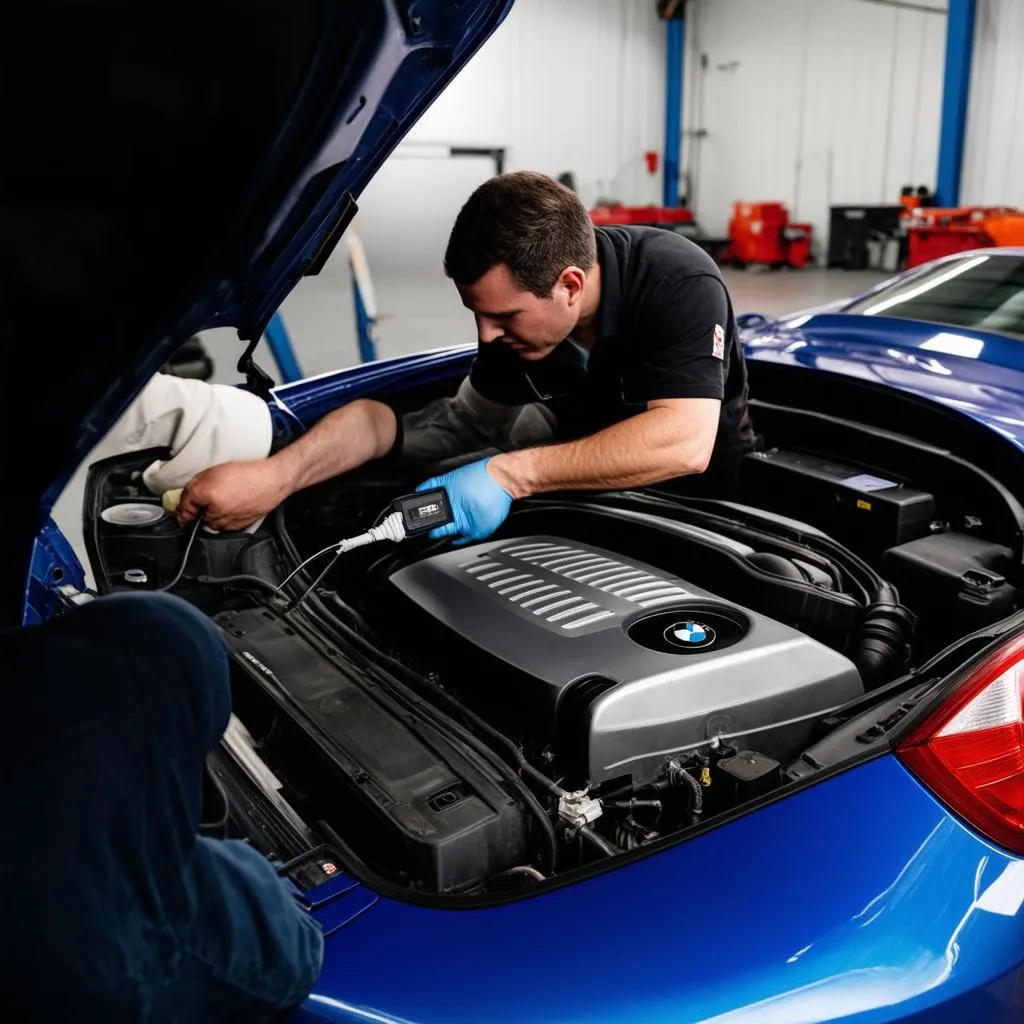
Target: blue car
{"points": [[638, 757]]}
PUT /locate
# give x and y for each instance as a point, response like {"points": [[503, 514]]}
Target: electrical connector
{"points": [[392, 528], [413, 514]]}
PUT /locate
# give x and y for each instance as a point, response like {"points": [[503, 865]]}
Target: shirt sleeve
{"points": [[683, 331], [497, 375], [468, 422]]}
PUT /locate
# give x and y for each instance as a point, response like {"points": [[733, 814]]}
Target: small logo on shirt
{"points": [[718, 349]]}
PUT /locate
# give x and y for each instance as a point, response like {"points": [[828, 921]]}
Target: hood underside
{"points": [[164, 173]]}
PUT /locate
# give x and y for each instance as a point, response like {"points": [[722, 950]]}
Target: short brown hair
{"points": [[529, 222]]}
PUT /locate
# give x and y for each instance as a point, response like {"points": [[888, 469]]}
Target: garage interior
{"points": [[496, 616], [828, 108], [832, 123]]}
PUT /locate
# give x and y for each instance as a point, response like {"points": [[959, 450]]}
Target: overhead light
{"points": [[934, 282], [954, 345]]}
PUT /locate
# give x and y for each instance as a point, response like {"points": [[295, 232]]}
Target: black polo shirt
{"points": [[666, 329]]}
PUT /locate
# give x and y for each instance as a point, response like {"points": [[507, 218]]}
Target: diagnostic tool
{"points": [[408, 516], [423, 511]]}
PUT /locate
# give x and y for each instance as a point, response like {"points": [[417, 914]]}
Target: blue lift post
{"points": [[363, 299], [673, 108], [280, 345], [956, 90], [364, 325], [280, 342]]}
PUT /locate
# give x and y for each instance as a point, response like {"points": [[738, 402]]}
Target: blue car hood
{"points": [[167, 173], [976, 373]]}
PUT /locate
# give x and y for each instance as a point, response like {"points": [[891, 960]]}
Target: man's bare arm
{"points": [[236, 494], [673, 437], [343, 440]]}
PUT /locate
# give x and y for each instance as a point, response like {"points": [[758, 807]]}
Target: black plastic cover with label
{"points": [[868, 513]]}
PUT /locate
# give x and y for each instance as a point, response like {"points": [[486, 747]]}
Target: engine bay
{"points": [[612, 663], [608, 673]]}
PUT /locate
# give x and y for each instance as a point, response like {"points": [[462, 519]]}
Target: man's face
{"points": [[530, 326]]}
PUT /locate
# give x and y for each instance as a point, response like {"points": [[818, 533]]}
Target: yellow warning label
{"points": [[705, 776], [866, 505]]}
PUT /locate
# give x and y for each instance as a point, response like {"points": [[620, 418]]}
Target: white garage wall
{"points": [[814, 103], [565, 85], [993, 168], [562, 85]]}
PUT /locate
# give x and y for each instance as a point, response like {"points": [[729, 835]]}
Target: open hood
{"points": [[166, 173]]}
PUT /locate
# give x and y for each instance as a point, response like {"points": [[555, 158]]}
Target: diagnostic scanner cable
{"points": [[410, 516], [188, 550]]}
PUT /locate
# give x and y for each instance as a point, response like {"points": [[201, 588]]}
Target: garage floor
{"points": [[422, 311]]}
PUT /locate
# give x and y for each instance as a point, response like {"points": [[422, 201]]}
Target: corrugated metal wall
{"points": [[812, 103], [993, 169]]}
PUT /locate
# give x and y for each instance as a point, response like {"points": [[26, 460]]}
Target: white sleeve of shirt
{"points": [[202, 424]]}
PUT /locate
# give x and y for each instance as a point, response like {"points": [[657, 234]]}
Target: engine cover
{"points": [[616, 663]]}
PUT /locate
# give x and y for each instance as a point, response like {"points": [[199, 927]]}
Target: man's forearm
{"points": [[653, 446], [341, 441]]}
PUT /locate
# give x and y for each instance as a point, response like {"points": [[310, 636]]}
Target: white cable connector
{"points": [[414, 514], [392, 528]]}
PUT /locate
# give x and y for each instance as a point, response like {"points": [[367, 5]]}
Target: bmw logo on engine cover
{"points": [[691, 634]]}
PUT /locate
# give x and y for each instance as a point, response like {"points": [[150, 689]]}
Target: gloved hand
{"points": [[479, 505]]}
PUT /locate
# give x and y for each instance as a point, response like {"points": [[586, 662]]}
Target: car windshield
{"points": [[984, 291]]}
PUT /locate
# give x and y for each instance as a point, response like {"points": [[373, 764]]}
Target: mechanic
{"points": [[617, 344], [114, 908]]}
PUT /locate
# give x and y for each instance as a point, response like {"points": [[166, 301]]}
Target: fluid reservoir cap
{"points": [[132, 514], [135, 576]]}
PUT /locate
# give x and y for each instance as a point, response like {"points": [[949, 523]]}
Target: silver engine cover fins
{"points": [[615, 663]]}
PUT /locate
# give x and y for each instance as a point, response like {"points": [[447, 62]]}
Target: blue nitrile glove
{"points": [[479, 505]]}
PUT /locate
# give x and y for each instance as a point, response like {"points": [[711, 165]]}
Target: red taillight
{"points": [[970, 752]]}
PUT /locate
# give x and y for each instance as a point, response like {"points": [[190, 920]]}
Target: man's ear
{"points": [[572, 279]]}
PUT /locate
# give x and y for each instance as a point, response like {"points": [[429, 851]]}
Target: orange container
{"points": [[932, 233], [1006, 229], [755, 232], [763, 233]]}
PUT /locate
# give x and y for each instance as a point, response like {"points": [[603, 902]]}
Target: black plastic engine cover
{"points": [[414, 800], [611, 657]]}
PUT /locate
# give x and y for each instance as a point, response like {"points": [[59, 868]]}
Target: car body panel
{"points": [[305, 401], [54, 566], [924, 360], [861, 898]]}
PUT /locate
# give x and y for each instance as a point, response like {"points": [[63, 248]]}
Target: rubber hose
{"points": [[882, 646], [607, 848]]}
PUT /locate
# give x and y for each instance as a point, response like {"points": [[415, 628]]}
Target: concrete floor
{"points": [[419, 309]]}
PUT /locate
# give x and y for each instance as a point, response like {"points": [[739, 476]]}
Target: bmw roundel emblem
{"points": [[690, 634]]}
